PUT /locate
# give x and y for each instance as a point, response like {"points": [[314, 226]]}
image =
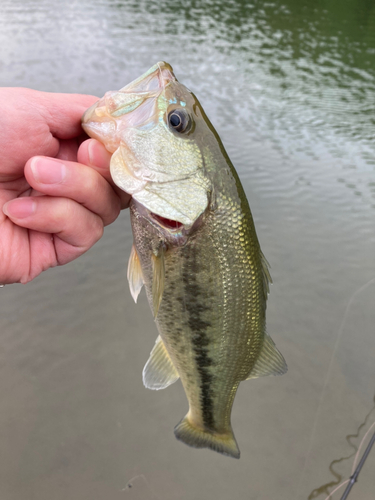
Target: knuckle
{"points": [[96, 229], [64, 211], [114, 210]]}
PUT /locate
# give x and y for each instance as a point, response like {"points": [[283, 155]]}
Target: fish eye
{"points": [[179, 120]]}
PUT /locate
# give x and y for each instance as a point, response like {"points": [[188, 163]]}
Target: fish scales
{"points": [[195, 250]]}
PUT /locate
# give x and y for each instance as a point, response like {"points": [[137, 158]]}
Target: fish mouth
{"points": [[166, 223], [171, 231]]}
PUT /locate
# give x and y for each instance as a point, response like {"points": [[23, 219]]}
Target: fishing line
{"points": [[359, 449], [134, 483], [330, 367], [337, 488], [354, 465], [325, 487], [354, 477]]}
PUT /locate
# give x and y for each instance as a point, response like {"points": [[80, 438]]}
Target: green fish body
{"points": [[195, 250]]}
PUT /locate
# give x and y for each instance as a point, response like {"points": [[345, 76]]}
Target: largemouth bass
{"points": [[195, 250]]}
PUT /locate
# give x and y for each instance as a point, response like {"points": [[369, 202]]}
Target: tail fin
{"points": [[199, 438]]}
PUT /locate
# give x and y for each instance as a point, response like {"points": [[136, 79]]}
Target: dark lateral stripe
{"points": [[195, 306]]}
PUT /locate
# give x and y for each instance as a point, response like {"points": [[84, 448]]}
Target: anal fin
{"points": [[270, 361], [159, 371]]}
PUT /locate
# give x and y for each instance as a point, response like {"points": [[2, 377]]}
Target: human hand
{"points": [[54, 206]]}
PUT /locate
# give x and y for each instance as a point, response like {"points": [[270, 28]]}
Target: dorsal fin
{"points": [[266, 274], [269, 362], [159, 371], [135, 277]]}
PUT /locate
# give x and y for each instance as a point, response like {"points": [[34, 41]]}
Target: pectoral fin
{"points": [[135, 276], [269, 362], [158, 275], [159, 371]]}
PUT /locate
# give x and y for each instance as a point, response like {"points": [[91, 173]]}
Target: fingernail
{"points": [[20, 208], [47, 170]]}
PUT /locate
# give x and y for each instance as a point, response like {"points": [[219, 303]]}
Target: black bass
{"points": [[195, 250]]}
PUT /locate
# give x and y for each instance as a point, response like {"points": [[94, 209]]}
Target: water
{"points": [[290, 87]]}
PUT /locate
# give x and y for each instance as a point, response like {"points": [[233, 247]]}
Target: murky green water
{"points": [[290, 87]]}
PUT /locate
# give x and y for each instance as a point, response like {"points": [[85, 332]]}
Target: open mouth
{"points": [[168, 223]]}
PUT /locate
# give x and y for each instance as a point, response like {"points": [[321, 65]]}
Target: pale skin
{"points": [[56, 193]]}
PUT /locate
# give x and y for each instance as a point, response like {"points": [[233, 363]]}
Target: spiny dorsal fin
{"points": [[269, 362], [158, 274], [159, 371], [135, 276]]}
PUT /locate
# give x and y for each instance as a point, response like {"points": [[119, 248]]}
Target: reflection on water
{"points": [[290, 87]]}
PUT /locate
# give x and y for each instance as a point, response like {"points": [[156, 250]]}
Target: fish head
{"points": [[152, 127]]}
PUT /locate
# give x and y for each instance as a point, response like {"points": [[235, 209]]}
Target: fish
{"points": [[195, 250]]}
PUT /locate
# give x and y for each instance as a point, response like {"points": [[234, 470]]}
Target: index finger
{"points": [[63, 112], [94, 154]]}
